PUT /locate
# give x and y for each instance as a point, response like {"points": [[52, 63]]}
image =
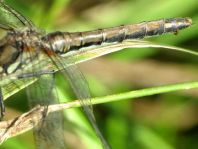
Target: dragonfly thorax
{"points": [[16, 48]]}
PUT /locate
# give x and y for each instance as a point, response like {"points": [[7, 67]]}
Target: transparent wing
{"points": [[49, 133], [81, 89], [9, 87], [11, 19]]}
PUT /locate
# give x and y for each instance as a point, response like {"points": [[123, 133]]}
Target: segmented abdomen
{"points": [[62, 42]]}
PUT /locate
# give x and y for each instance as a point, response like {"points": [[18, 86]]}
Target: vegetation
{"points": [[165, 121]]}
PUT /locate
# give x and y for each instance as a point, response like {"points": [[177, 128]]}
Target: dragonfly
{"points": [[27, 51]]}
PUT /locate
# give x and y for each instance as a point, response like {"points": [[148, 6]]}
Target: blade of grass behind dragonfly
{"points": [[86, 54], [55, 9], [11, 87]]}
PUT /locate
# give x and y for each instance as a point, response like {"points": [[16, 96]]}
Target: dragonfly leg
{"points": [[2, 106], [35, 74]]}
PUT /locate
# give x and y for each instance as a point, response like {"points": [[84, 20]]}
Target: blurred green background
{"points": [[165, 121]]}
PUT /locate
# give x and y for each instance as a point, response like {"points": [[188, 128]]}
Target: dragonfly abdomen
{"points": [[62, 42]]}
